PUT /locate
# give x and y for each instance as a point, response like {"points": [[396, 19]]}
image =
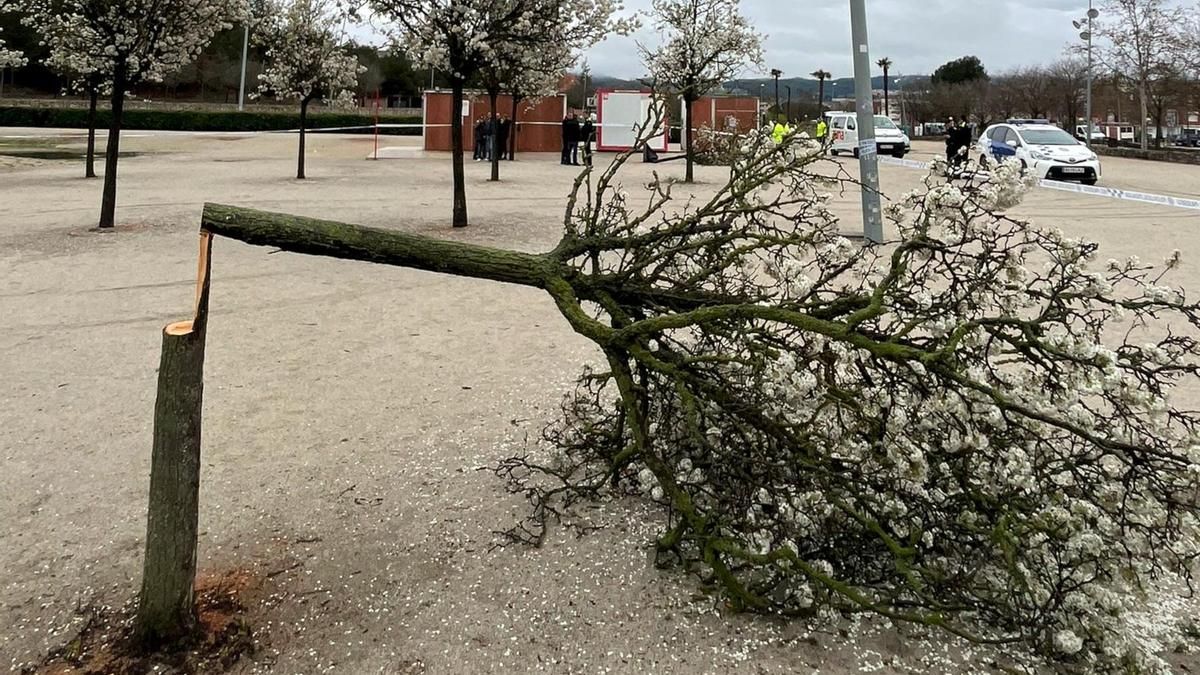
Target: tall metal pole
{"points": [[245, 58], [1089, 75], [868, 156]]}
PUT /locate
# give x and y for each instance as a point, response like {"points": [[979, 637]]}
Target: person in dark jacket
{"points": [[588, 133], [570, 133], [503, 128], [478, 155]]}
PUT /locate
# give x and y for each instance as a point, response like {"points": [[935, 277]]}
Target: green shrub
{"points": [[186, 120]]}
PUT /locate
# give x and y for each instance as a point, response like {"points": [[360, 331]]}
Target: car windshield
{"points": [[882, 122], [1048, 137]]}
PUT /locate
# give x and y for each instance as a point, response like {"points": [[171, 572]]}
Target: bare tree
{"points": [[1141, 38], [1068, 87]]}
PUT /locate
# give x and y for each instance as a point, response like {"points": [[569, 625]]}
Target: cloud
{"points": [[918, 37]]}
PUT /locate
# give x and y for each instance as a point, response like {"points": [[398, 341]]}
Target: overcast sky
{"points": [[917, 36]]}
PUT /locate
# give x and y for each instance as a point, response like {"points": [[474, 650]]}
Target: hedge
{"points": [[184, 120], [1178, 156]]}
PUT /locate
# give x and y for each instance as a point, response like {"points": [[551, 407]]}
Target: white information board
{"points": [[622, 115]]}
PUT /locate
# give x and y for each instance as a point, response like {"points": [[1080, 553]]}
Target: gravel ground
{"points": [[348, 409]]}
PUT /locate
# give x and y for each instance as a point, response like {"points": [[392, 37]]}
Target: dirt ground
{"points": [[348, 410]]}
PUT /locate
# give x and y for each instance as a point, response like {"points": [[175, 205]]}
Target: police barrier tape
{"points": [[1111, 193]]}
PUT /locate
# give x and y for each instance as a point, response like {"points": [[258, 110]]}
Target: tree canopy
{"points": [[959, 71]]}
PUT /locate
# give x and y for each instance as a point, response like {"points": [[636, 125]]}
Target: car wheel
{"points": [[1024, 168], [833, 153], [856, 153], [983, 162], [898, 155], [1088, 181]]}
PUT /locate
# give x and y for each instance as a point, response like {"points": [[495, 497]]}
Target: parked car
{"points": [[1190, 138], [1040, 147], [843, 131], [1081, 133]]}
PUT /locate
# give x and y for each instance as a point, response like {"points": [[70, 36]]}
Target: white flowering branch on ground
{"points": [[973, 427]]}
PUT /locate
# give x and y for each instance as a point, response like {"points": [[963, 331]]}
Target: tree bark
{"points": [[1145, 110], [389, 247], [689, 101], [166, 608], [494, 151], [108, 205], [93, 100], [456, 152], [303, 123], [512, 133]]}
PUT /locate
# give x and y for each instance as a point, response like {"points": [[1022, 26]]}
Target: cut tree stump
{"points": [[166, 608]]}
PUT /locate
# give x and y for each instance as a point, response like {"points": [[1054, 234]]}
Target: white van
{"points": [[843, 135]]}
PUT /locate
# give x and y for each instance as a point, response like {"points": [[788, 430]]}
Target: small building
{"points": [[539, 122], [723, 113]]}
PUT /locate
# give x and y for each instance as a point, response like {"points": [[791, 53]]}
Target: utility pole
{"points": [[868, 153], [789, 101], [245, 58]]}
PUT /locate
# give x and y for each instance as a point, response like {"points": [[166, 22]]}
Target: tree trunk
{"points": [[456, 152], [93, 100], [687, 132], [303, 123], [1145, 110], [166, 609], [887, 104], [820, 99], [494, 150], [388, 247], [512, 132], [108, 206]]}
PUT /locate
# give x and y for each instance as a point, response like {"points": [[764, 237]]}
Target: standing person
{"points": [[503, 127], [478, 155], [963, 142], [589, 134], [571, 132], [489, 137], [822, 130], [566, 139], [951, 141]]}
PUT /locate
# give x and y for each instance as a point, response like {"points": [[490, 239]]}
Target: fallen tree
{"points": [[967, 428]]}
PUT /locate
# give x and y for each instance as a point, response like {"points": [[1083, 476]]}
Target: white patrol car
{"points": [[843, 135], [1040, 147]]}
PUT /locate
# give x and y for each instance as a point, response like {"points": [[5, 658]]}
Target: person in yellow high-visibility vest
{"points": [[778, 132], [822, 129]]}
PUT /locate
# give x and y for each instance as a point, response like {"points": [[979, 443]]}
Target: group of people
{"points": [[491, 135], [576, 134], [959, 137]]}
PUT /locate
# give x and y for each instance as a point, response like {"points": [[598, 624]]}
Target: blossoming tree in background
{"points": [[462, 37], [83, 73], [705, 44], [307, 57], [129, 42], [535, 53]]}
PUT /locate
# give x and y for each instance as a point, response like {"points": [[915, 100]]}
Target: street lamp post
{"points": [[245, 59], [775, 73], [1086, 35], [868, 154], [789, 101]]}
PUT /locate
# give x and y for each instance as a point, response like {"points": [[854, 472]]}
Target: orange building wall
{"points": [[539, 125], [742, 108]]}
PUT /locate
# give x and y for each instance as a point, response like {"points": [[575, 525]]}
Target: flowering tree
{"points": [[462, 37], [973, 427], [129, 42], [705, 43], [537, 78], [9, 58], [1141, 40], [539, 48], [307, 57], [82, 73]]}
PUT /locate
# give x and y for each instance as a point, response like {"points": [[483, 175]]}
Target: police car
{"points": [[1040, 147]]}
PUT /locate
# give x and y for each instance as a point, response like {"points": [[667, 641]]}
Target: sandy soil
{"points": [[348, 409]]}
